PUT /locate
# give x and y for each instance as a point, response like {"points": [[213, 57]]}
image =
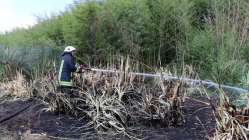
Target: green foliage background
{"points": [[211, 35]]}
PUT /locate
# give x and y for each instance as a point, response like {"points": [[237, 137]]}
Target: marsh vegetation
{"points": [[196, 39]]}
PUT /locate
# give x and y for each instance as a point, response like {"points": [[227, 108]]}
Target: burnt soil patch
{"points": [[199, 122]]}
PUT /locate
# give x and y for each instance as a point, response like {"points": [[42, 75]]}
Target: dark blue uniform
{"points": [[67, 67]]}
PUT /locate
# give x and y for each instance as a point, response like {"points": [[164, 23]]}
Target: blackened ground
{"points": [[38, 120], [199, 123]]}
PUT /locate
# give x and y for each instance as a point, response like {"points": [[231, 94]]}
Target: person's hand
{"points": [[83, 68]]}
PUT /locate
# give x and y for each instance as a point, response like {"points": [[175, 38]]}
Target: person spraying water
{"points": [[67, 67]]}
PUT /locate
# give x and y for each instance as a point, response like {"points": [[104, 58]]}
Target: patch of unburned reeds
{"points": [[17, 87]]}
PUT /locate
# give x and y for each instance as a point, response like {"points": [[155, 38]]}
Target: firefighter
{"points": [[67, 67]]}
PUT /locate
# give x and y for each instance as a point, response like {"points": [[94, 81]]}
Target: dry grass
{"points": [[42, 85], [111, 101], [18, 87], [117, 100], [232, 122], [114, 102]]}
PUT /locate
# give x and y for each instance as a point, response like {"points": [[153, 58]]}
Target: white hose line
{"points": [[193, 82]]}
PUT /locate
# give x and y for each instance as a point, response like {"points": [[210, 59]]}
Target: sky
{"points": [[23, 13]]}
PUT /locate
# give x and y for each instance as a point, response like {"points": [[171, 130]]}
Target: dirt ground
{"points": [[35, 123]]}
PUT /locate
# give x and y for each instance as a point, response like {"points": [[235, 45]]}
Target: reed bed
{"points": [[113, 102], [18, 87]]}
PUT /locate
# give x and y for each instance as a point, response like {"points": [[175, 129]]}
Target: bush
{"points": [[30, 61]]}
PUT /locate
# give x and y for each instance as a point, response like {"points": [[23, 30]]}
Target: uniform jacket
{"points": [[67, 67]]}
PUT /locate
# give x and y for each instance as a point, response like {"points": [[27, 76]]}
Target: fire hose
{"points": [[193, 82]]}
